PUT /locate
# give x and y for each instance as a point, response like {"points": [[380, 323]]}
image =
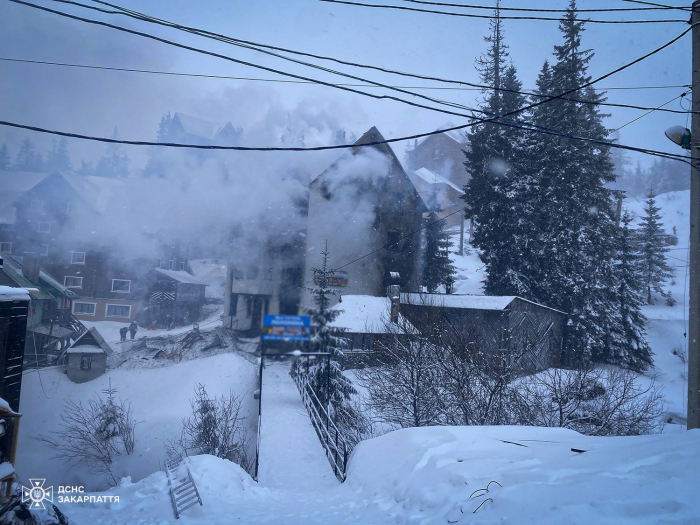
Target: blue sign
{"points": [[286, 328]]}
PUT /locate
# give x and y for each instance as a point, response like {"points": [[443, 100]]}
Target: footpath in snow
{"points": [[291, 455]]}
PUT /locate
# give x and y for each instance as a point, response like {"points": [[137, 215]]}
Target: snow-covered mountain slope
{"points": [[426, 476]]}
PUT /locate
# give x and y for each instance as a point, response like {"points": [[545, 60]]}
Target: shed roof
{"points": [[434, 178], [467, 302], [90, 338], [366, 314], [8, 294], [86, 349], [13, 267]]}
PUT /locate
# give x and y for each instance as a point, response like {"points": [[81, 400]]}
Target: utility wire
{"points": [[255, 46], [541, 10], [241, 148], [652, 111], [473, 15], [664, 6], [283, 81]]}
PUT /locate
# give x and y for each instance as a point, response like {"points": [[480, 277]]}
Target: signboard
{"points": [[338, 279], [286, 328]]}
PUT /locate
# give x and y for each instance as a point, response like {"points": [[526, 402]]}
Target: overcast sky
{"points": [[94, 102]]}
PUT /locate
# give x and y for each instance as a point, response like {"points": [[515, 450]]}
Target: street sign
{"points": [[286, 328]]}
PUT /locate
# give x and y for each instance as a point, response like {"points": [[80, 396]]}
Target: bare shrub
{"points": [[401, 383], [94, 433], [215, 426], [599, 401]]}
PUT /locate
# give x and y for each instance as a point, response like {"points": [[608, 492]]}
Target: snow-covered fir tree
{"points": [[86, 169], [437, 265], [58, 158], [628, 346], [28, 159], [156, 166], [114, 163], [325, 374], [493, 161], [4, 158], [652, 246]]}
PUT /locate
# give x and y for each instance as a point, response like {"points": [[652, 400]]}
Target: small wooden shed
{"points": [[86, 359]]}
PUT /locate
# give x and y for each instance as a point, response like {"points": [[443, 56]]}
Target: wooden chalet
{"points": [[175, 297]]}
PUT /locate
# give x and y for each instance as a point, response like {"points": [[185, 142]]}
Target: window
{"points": [[70, 281], [77, 257], [70, 207], [85, 362], [393, 237], [171, 264], [159, 263], [44, 250], [121, 285], [8, 227], [118, 310], [6, 247], [43, 227], [182, 266], [84, 308]]}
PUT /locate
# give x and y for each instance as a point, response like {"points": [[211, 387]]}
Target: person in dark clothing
{"points": [[133, 328], [122, 332]]}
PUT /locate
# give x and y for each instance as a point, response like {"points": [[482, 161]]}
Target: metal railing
{"points": [[334, 443]]}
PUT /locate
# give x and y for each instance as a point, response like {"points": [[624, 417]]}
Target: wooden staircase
{"points": [[183, 491]]}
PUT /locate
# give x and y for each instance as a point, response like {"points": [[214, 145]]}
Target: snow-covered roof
{"points": [[90, 338], [199, 127], [457, 134], [13, 294], [435, 178], [469, 302], [366, 314], [180, 276], [15, 262], [14, 184], [86, 349]]}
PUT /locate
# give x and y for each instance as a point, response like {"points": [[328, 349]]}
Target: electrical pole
{"points": [[694, 302]]}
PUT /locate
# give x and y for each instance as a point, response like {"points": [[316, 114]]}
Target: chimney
{"points": [[393, 292], [30, 267]]}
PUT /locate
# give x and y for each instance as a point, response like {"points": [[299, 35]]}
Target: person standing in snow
{"points": [[133, 328], [122, 332]]}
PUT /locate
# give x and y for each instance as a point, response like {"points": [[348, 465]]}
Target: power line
{"points": [[365, 85], [652, 111], [283, 81], [541, 10], [254, 46], [473, 15], [670, 156], [664, 6], [241, 148]]}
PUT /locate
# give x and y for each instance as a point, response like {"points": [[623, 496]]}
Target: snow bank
{"points": [[431, 472]]}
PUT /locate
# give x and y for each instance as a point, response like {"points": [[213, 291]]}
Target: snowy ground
{"points": [[426, 476], [159, 397]]}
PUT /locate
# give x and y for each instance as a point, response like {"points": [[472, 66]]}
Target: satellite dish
{"points": [[679, 135]]}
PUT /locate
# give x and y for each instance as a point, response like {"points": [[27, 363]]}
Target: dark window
{"points": [[86, 362], [118, 310], [357, 342], [393, 237], [182, 266], [121, 285], [84, 308]]}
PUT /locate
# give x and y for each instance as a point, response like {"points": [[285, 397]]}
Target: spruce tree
{"points": [[156, 166], [493, 160], [652, 246], [628, 346], [437, 265], [325, 375], [27, 158], [86, 169], [4, 158], [58, 158], [114, 163]]}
